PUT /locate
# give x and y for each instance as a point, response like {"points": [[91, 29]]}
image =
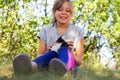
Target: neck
{"points": [[61, 28], [64, 26]]}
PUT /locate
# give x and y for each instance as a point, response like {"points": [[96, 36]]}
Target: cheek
{"points": [[55, 14], [69, 14]]}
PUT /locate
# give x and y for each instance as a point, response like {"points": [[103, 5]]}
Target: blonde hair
{"points": [[57, 5]]}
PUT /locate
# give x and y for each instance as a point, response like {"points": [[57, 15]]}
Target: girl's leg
{"points": [[22, 64], [63, 63], [65, 55], [44, 59]]}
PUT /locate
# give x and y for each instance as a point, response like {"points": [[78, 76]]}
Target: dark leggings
{"points": [[63, 54]]}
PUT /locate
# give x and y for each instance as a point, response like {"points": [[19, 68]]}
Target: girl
{"points": [[60, 44]]}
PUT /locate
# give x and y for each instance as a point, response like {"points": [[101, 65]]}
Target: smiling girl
{"points": [[60, 44]]}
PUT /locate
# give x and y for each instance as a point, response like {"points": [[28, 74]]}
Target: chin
{"points": [[63, 23]]}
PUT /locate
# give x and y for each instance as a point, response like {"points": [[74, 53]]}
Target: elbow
{"points": [[79, 62]]}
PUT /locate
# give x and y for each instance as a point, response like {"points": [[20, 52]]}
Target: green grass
{"points": [[86, 72]]}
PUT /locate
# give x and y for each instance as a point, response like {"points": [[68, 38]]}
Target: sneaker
{"points": [[22, 64], [56, 47], [59, 43], [57, 66], [61, 40]]}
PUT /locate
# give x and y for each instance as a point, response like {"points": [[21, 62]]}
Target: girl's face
{"points": [[63, 14]]}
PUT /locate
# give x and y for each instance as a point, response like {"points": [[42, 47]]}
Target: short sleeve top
{"points": [[50, 34]]}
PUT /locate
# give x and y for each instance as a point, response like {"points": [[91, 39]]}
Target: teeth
{"points": [[63, 17]]}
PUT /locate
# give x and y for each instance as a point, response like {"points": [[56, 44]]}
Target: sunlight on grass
{"points": [[86, 72], [6, 69]]}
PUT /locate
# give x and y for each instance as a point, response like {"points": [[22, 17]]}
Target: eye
{"points": [[67, 10], [60, 9]]}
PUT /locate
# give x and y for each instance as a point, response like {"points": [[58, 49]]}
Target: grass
{"points": [[86, 72]]}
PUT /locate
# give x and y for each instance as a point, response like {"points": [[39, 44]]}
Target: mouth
{"points": [[63, 18]]}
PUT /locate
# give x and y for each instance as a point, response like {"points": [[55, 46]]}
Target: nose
{"points": [[63, 12]]}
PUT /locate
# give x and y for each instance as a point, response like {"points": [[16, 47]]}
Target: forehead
{"points": [[66, 4]]}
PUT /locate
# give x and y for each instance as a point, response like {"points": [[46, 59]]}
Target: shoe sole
{"points": [[22, 64], [57, 66]]}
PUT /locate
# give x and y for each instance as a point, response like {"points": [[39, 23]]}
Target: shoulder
{"points": [[47, 27], [76, 28]]}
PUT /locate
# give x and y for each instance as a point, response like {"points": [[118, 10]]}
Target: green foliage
{"points": [[18, 29], [103, 20], [16, 37], [18, 32]]}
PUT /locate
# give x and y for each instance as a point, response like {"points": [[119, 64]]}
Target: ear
{"points": [[53, 12]]}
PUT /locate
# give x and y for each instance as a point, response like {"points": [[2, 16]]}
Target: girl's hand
{"points": [[71, 44], [51, 45]]}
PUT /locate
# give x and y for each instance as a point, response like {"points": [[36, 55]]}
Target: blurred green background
{"points": [[21, 20]]}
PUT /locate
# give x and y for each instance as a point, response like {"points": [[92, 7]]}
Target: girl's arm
{"points": [[41, 47], [79, 52]]}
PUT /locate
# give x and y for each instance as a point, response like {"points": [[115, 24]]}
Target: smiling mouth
{"points": [[63, 18]]}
